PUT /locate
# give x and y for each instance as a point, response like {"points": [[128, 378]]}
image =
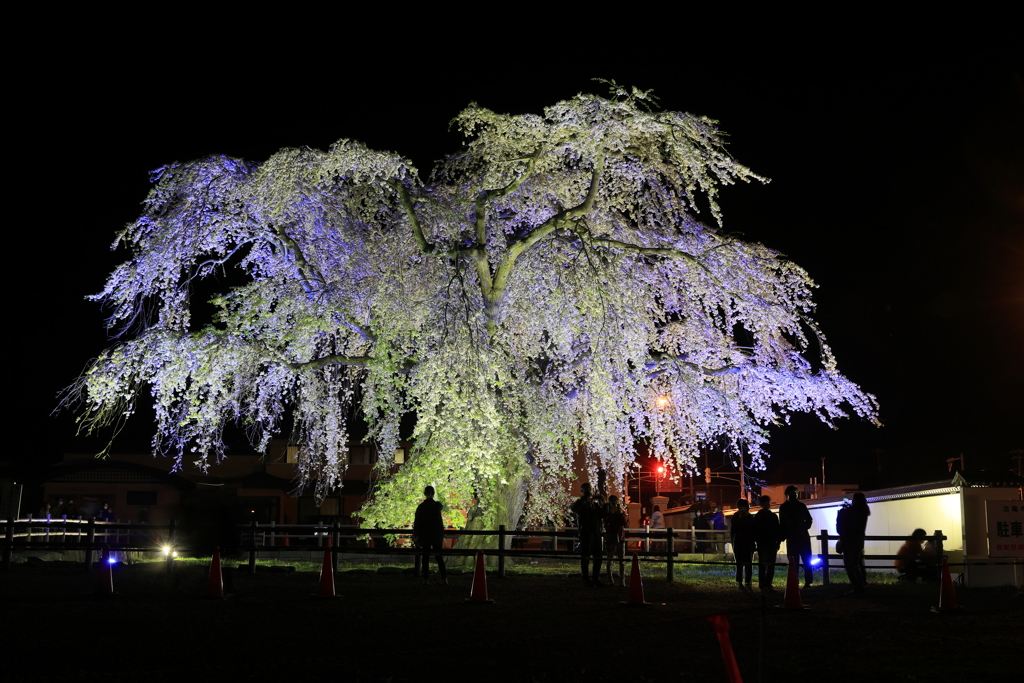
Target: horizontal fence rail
{"points": [[652, 545]]}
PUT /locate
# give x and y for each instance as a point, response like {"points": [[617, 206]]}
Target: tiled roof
{"points": [[111, 472], [932, 488], [983, 478]]}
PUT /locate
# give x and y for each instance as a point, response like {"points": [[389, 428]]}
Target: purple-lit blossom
{"points": [[532, 300]]}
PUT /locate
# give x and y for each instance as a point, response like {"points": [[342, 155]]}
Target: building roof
{"points": [[116, 472], [931, 488], [983, 478]]}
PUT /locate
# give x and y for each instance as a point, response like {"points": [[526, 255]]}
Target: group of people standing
{"points": [[603, 521], [600, 520], [764, 532]]}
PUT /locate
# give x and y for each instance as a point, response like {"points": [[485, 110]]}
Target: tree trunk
{"points": [[510, 501]]}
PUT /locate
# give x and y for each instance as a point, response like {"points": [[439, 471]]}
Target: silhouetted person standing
{"points": [[428, 533], [767, 534], [741, 533], [614, 535], [796, 520], [851, 524], [589, 511]]}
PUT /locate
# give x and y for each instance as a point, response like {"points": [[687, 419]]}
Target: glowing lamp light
{"points": [[111, 560], [815, 561], [662, 402]]}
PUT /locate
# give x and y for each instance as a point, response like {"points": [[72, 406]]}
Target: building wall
{"points": [[898, 517], [89, 498]]}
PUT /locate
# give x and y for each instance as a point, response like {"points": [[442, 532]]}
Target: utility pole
{"points": [[823, 476], [1017, 457], [950, 461], [743, 484]]}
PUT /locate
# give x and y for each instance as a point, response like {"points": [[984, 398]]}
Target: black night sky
{"points": [[897, 182]]}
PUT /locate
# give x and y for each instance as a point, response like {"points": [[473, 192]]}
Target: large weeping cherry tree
{"points": [[547, 292]]}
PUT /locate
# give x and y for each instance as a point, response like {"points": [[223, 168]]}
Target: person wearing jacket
{"points": [[767, 535], [741, 534], [589, 511], [796, 520], [614, 536], [428, 533], [851, 524]]}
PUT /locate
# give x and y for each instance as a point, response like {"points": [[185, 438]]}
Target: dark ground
{"points": [[389, 627]]}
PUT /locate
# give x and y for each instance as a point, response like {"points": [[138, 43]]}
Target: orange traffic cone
{"points": [[478, 594], [327, 575], [215, 584], [721, 624], [105, 579], [793, 600], [636, 586], [947, 596]]}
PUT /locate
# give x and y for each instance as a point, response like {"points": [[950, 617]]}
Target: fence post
{"points": [[252, 547], [90, 541], [9, 542], [336, 541], [64, 530], [823, 537], [78, 532], [647, 538], [170, 546], [670, 554], [554, 538], [47, 541], [938, 551], [501, 550], [29, 539], [273, 536]]}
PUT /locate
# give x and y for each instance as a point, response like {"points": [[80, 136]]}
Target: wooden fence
{"points": [[652, 545]]}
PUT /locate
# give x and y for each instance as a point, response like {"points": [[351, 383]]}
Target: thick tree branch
{"points": [[410, 211], [307, 273], [564, 218], [660, 361]]}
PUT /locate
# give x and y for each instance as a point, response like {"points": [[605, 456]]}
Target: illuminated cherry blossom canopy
{"points": [[548, 288]]}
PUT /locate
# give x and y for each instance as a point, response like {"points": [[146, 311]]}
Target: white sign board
{"points": [[1005, 528]]}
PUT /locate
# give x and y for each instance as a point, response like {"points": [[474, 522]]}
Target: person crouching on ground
{"points": [[589, 511], [428, 533], [909, 561], [741, 534]]}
